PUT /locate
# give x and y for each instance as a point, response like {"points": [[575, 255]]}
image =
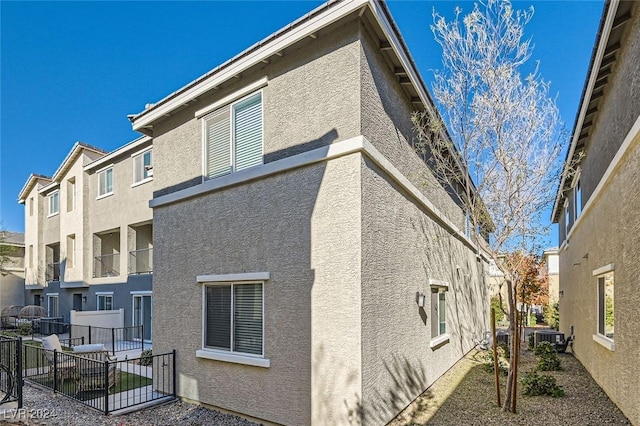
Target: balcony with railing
{"points": [[53, 271], [141, 261], [106, 265]]}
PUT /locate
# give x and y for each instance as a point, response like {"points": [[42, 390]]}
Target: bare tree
{"points": [[500, 148]]}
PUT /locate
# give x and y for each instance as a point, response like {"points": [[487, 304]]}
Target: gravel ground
{"points": [[48, 408], [465, 396]]}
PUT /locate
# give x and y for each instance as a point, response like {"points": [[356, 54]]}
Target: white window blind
{"points": [[234, 137], [234, 318]]}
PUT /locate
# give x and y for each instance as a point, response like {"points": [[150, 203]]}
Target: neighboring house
{"points": [[89, 233], [551, 261], [309, 267], [12, 274], [598, 217]]}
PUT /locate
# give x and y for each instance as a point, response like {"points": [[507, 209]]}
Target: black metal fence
{"points": [[99, 381], [114, 339], [10, 370]]}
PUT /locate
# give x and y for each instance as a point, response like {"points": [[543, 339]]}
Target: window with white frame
{"points": [[438, 311], [105, 301], [567, 218], [605, 305], [233, 136], [54, 203], [142, 166], [577, 199], [233, 317], [52, 305], [105, 182]]}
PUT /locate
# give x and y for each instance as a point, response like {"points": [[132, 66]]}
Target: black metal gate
{"points": [[10, 370]]}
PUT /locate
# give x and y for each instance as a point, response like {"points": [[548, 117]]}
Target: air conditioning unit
{"points": [[550, 336]]}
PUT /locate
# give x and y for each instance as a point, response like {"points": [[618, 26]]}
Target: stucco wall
{"points": [[618, 111], [402, 248], [128, 205], [309, 101], [386, 123], [303, 228], [607, 234]]}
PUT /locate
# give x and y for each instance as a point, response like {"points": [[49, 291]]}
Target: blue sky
{"points": [[73, 70]]}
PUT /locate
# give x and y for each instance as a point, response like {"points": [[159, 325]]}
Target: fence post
{"points": [[89, 334], [19, 370], [55, 370], [106, 386], [142, 335], [113, 341], [175, 392]]}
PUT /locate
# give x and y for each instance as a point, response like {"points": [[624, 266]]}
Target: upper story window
{"points": [[31, 206], [233, 136], [143, 166], [577, 198], [54, 203], [105, 182], [567, 218]]}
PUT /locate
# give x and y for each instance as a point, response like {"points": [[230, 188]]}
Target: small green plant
{"points": [[506, 351], [552, 316], [532, 320], [495, 304], [535, 384], [24, 329], [487, 363], [146, 357], [548, 357]]}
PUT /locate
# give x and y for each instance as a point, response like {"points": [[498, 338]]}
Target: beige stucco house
{"points": [[12, 274], [89, 235], [597, 212], [551, 261], [309, 267]]}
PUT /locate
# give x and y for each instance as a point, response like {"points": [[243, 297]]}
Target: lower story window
{"points": [[105, 302], [438, 311], [234, 317], [605, 305]]}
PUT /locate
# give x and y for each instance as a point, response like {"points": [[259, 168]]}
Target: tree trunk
{"points": [[513, 323]]}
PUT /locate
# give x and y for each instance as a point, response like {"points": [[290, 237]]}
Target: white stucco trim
{"points": [[48, 187], [438, 284], [632, 138], [439, 341], [108, 194], [104, 293], [233, 357], [604, 269], [141, 292], [358, 144], [143, 181], [248, 276], [605, 341], [240, 93]]}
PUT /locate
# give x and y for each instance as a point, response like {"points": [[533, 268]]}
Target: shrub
{"points": [[146, 357], [552, 316], [505, 350], [24, 328], [487, 365], [535, 384], [532, 320], [549, 360]]}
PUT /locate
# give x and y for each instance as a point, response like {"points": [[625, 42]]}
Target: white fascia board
{"points": [[247, 276], [48, 187], [122, 150], [302, 31], [602, 45]]}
